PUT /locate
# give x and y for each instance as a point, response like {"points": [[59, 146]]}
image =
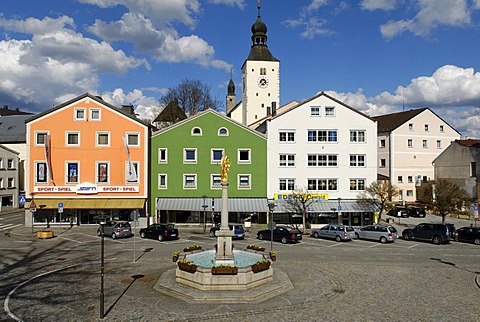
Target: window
{"points": [[216, 181], [425, 179], [322, 184], [131, 172], [409, 193], [102, 172], [425, 144], [1, 183], [10, 164], [40, 138], [314, 111], [287, 136], [162, 181], [243, 155], [79, 114], [222, 131], [286, 184], [133, 139], [383, 163], [72, 172], [287, 160], [263, 71], [95, 114], [410, 126], [473, 169], [190, 181], [382, 143], [103, 139], [357, 136], [329, 111], [189, 155], [357, 184], [196, 131], [10, 183], [410, 143], [40, 172], [410, 179], [216, 156], [439, 144], [1, 163], [243, 181], [162, 155], [400, 179], [357, 160], [322, 160], [322, 135], [73, 138], [441, 128], [427, 128]]}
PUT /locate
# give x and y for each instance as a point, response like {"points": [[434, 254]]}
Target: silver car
{"points": [[334, 231], [380, 233], [116, 229]]}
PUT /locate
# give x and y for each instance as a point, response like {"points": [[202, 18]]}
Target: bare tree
{"points": [[299, 202], [446, 197], [192, 95], [379, 193]]}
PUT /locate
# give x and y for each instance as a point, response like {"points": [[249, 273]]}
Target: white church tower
{"points": [[260, 78]]}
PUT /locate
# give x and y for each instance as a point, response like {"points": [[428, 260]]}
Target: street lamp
{"points": [[271, 205], [204, 206], [102, 266], [339, 212], [213, 212]]}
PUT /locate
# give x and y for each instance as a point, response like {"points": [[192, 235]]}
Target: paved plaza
{"points": [[59, 280]]}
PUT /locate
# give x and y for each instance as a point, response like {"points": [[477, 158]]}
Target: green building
{"points": [[186, 164]]}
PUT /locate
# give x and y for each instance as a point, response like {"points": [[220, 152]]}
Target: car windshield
{"points": [[392, 229], [124, 225], [348, 228]]}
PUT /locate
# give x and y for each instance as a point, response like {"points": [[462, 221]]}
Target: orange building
{"points": [[85, 158]]}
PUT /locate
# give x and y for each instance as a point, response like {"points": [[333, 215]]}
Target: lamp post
{"points": [[339, 212], [102, 266], [204, 206], [271, 224], [213, 212]]}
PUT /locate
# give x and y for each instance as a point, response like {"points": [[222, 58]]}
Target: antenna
{"points": [[258, 6]]}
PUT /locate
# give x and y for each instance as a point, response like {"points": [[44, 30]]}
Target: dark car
{"points": [[468, 235], [416, 212], [238, 231], [159, 231], [282, 234], [116, 229], [436, 233], [398, 212]]}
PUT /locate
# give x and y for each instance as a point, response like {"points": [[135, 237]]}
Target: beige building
{"points": [[408, 142]]}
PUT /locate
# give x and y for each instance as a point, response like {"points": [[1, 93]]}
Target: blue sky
{"points": [[378, 56]]}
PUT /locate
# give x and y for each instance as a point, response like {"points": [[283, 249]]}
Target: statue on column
{"points": [[225, 168]]}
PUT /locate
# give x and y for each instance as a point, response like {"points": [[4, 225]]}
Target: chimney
{"points": [[274, 108], [5, 107], [128, 109]]}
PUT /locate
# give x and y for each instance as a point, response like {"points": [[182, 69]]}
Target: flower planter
{"points": [[224, 270], [43, 234], [191, 248], [187, 267], [256, 248], [273, 257], [260, 267]]}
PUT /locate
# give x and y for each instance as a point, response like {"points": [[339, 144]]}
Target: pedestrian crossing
{"points": [[9, 226]]}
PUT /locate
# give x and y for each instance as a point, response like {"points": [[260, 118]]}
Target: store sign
{"points": [[86, 188], [286, 196]]}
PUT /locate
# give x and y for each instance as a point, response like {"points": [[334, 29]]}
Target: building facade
{"points": [[9, 178], [185, 167], [408, 142], [85, 159]]}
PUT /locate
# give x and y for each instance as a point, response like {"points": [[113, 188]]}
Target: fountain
{"points": [[232, 275]]}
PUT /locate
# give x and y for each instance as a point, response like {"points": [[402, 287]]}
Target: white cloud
{"points": [[308, 19], [378, 4], [238, 3], [432, 14]]}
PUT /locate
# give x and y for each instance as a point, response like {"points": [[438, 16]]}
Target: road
{"points": [[59, 279]]}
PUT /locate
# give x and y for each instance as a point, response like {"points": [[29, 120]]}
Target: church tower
{"points": [[231, 97], [260, 77]]}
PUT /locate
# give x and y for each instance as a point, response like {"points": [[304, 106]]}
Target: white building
{"points": [[408, 142]]}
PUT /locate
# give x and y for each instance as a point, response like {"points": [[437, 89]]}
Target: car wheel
{"points": [[338, 238], [261, 237], [383, 240], [160, 237], [142, 234], [284, 240], [437, 240], [477, 241], [114, 236], [212, 233], [357, 236], [407, 236], [316, 235]]}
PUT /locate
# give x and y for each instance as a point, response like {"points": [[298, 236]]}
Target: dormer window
{"points": [[196, 131], [222, 132]]}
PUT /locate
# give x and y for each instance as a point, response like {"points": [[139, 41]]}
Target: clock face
{"points": [[262, 82]]}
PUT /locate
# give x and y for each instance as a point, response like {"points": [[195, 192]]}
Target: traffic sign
{"points": [[21, 200], [60, 207], [339, 208]]}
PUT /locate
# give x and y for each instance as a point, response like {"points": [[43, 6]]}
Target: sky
{"points": [[378, 56]]}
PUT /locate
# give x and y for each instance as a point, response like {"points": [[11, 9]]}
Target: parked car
{"points": [[335, 231], [398, 212], [282, 234], [468, 235], [436, 233], [380, 233], [416, 212], [238, 231], [160, 231], [116, 229]]}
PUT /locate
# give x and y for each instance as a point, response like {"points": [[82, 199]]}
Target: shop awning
{"points": [[326, 206], [83, 203], [196, 204]]}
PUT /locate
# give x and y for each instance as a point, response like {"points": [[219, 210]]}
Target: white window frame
{"points": [[441, 128], [286, 160], [97, 172], [195, 129], [439, 144], [357, 185], [160, 186], [75, 114], [187, 161], [10, 164], [133, 134], [212, 155], [315, 111], [67, 172], [427, 128], [241, 178], [425, 144], [330, 114], [97, 136], [215, 181], [356, 136], [189, 176], [37, 133], [1, 163], [136, 166], [36, 165], [289, 134], [239, 153], [164, 160], [411, 127], [327, 184], [10, 183], [68, 133], [382, 143], [289, 182], [357, 162], [410, 179], [383, 163], [409, 193], [1, 183], [409, 143], [223, 129], [91, 113]]}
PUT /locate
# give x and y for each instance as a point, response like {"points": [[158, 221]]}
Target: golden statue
{"points": [[225, 168]]}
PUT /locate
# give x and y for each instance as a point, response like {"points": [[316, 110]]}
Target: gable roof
{"points": [[389, 122], [171, 113], [13, 129], [5, 111], [469, 143], [8, 149]]}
